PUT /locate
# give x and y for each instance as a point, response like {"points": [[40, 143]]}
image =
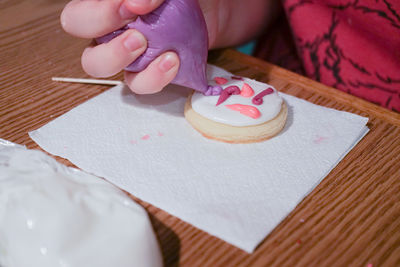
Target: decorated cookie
{"points": [[246, 111]]}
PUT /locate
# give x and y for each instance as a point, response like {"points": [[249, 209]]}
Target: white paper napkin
{"points": [[238, 193]]}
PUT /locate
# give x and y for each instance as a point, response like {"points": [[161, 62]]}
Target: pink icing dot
{"points": [[220, 80], [258, 99], [247, 91], [247, 110], [146, 137], [319, 139]]}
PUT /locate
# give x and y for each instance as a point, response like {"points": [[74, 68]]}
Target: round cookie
{"points": [[247, 111]]}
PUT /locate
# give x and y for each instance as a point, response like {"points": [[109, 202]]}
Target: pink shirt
{"points": [[352, 45]]}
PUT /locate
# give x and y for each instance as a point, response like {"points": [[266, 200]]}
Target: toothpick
{"points": [[90, 81]]}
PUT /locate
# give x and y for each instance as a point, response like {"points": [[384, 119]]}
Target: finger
{"points": [[92, 18], [110, 58], [156, 76], [142, 7]]}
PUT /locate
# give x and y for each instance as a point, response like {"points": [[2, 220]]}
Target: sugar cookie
{"points": [[246, 111]]}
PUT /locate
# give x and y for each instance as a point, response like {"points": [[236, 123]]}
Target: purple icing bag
{"points": [[179, 26]]}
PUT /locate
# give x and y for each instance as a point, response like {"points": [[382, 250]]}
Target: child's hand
{"points": [[229, 22], [95, 18]]}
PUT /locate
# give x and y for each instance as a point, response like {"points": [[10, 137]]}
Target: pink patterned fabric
{"points": [[352, 45]]}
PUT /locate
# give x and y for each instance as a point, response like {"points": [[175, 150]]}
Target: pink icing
{"points": [[258, 99], [227, 92], [220, 80], [319, 139], [247, 91], [146, 137], [247, 110]]}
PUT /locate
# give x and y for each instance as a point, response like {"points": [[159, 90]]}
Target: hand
{"points": [[229, 22], [94, 18]]}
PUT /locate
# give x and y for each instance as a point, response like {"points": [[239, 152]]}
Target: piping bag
{"points": [[179, 26]]}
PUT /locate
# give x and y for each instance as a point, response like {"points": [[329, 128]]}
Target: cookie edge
{"points": [[235, 134]]}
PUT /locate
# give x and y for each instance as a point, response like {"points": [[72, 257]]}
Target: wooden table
{"points": [[351, 219]]}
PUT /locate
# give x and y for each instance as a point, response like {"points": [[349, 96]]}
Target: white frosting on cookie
{"points": [[206, 105], [51, 215]]}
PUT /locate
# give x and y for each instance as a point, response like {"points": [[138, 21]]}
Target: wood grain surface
{"points": [[351, 219]]}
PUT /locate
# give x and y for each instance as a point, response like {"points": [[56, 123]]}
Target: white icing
{"points": [[206, 105], [51, 215]]}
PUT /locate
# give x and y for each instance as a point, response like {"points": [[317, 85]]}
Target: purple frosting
{"points": [[213, 90], [179, 26]]}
